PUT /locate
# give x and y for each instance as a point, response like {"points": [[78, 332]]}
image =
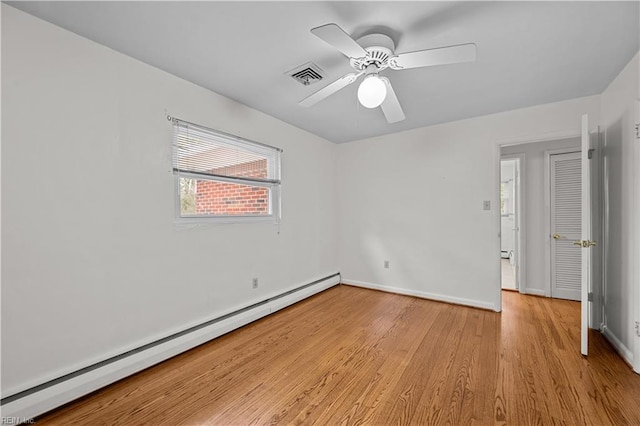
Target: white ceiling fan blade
{"points": [[336, 37], [391, 105], [329, 89], [430, 57]]}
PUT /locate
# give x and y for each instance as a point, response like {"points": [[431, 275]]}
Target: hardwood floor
{"points": [[508, 274], [357, 356]]}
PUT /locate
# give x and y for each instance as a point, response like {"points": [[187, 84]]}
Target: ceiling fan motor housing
{"points": [[373, 53], [379, 49]]}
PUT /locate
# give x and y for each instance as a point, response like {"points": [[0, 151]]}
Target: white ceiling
{"points": [[529, 53]]}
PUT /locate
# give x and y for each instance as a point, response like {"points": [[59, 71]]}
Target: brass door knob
{"points": [[556, 236]]}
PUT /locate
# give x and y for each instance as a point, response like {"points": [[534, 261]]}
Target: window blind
{"points": [[201, 151]]}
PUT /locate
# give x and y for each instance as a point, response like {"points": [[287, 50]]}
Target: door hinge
{"points": [[590, 153], [590, 296], [638, 328], [638, 131]]}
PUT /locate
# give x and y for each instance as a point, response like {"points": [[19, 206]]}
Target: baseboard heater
{"points": [[26, 405]]}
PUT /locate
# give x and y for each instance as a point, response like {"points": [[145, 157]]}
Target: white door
{"points": [[585, 242], [566, 219], [636, 357]]}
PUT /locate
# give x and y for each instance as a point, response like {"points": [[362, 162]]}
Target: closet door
{"points": [[566, 225]]}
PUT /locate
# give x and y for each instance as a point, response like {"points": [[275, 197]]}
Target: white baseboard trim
{"points": [[422, 294], [624, 352], [535, 292], [47, 398]]}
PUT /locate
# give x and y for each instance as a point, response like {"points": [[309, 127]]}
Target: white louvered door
{"points": [[566, 225]]}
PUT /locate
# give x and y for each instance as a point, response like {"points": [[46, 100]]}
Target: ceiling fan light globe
{"points": [[372, 92]]}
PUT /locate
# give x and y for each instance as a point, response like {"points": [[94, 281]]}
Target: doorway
{"points": [[510, 253], [536, 235]]}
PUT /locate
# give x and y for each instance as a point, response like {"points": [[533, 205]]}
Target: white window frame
{"points": [[274, 207]]}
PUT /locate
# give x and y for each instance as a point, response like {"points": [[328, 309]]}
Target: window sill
{"points": [[204, 220]]}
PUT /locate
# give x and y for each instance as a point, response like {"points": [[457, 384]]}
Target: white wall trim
{"points": [[521, 208], [535, 292], [43, 400], [498, 223], [624, 352], [421, 294]]}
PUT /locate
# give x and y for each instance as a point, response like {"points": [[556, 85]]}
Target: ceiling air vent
{"points": [[306, 74]]}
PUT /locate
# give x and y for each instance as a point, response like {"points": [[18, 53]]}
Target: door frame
{"points": [[551, 136], [497, 147], [598, 231], [520, 208], [636, 246], [547, 210]]}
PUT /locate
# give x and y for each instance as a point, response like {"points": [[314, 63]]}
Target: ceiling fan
{"points": [[374, 53]]}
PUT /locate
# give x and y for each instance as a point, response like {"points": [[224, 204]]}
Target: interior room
{"points": [[320, 212], [509, 222]]}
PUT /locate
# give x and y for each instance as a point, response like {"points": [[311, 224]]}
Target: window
{"points": [[222, 177]]}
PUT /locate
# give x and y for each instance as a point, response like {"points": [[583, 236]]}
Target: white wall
{"points": [[93, 263], [622, 280], [415, 198], [535, 232]]}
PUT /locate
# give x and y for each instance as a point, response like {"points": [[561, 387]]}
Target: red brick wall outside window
{"points": [[221, 198]]}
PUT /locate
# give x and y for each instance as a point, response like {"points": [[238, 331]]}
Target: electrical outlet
{"points": [[386, 264], [486, 205], [255, 283], [638, 328]]}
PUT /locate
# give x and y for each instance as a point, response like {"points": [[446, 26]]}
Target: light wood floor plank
{"points": [[357, 356]]}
